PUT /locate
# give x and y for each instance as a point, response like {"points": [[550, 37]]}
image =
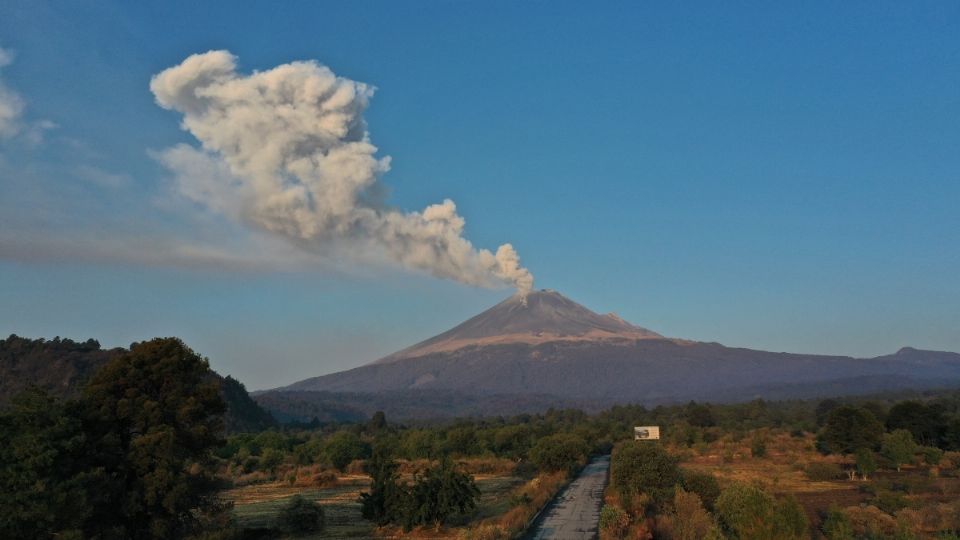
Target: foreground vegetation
{"points": [[142, 453]]}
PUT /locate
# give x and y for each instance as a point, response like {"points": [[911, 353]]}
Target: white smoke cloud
{"points": [[11, 104], [286, 150]]}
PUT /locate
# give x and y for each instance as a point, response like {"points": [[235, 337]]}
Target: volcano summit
{"points": [[548, 346], [538, 317]]}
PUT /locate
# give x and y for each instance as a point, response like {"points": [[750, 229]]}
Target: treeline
{"points": [[531, 439]]}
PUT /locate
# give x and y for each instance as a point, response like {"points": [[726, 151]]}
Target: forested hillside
{"points": [[62, 366]]}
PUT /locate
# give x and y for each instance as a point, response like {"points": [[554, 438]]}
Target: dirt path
{"points": [[575, 513]]}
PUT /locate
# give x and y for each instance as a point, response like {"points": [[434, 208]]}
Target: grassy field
{"points": [[783, 470], [257, 506]]}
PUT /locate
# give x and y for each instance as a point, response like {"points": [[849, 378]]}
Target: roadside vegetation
{"points": [[881, 468]]}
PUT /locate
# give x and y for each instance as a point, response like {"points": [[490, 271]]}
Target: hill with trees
{"points": [[62, 366]]}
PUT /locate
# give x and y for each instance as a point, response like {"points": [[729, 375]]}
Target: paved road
{"points": [[575, 513]]}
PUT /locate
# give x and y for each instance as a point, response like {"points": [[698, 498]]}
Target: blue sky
{"points": [[769, 176]]}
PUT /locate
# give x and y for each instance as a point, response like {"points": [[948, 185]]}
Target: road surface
{"points": [[575, 513]]}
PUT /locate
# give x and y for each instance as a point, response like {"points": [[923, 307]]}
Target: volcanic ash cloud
{"points": [[287, 151]]}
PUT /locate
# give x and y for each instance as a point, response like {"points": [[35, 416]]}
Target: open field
{"points": [[782, 470], [257, 506]]}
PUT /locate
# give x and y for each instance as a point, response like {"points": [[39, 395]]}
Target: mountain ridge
{"points": [[553, 346]]}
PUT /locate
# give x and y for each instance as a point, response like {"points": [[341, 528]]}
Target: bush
{"points": [[341, 448], [561, 452], [705, 485], [871, 522], [749, 513], [758, 447], [323, 479], [687, 520], [300, 516], [889, 501], [822, 471], [866, 462], [270, 460], [613, 521], [931, 455], [899, 447], [644, 467], [836, 526]]}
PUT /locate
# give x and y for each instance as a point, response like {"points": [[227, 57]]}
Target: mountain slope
{"points": [[551, 346], [539, 317]]}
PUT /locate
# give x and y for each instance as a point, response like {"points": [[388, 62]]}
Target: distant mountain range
{"points": [[63, 366], [542, 350]]}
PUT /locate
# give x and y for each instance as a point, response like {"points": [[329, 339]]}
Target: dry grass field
{"points": [[789, 464], [257, 505]]}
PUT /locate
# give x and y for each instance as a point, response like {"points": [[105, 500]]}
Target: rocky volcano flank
{"points": [[547, 348], [540, 317]]}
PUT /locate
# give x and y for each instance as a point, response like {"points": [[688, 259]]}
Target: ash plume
{"points": [[287, 151]]}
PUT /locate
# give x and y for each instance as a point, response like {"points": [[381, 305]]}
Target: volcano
{"points": [[547, 350], [539, 317]]}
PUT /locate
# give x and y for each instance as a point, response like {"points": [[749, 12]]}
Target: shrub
{"points": [[749, 513], [560, 452], [300, 516], [270, 460], [836, 526], [871, 522], [898, 447], [687, 520], [790, 519], [644, 468], [613, 521], [866, 462], [746, 512], [889, 501], [484, 532], [324, 479], [822, 471], [931, 455], [705, 485], [341, 448], [758, 447]]}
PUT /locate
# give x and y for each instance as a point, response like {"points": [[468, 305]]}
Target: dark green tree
{"points": [[377, 423], [45, 482], [384, 503], [823, 410], [560, 452], [750, 513], [899, 447], [925, 422], [341, 448], [699, 415], [705, 485], [644, 467], [836, 525], [300, 516], [157, 415], [747, 512], [848, 429], [439, 493], [866, 463]]}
